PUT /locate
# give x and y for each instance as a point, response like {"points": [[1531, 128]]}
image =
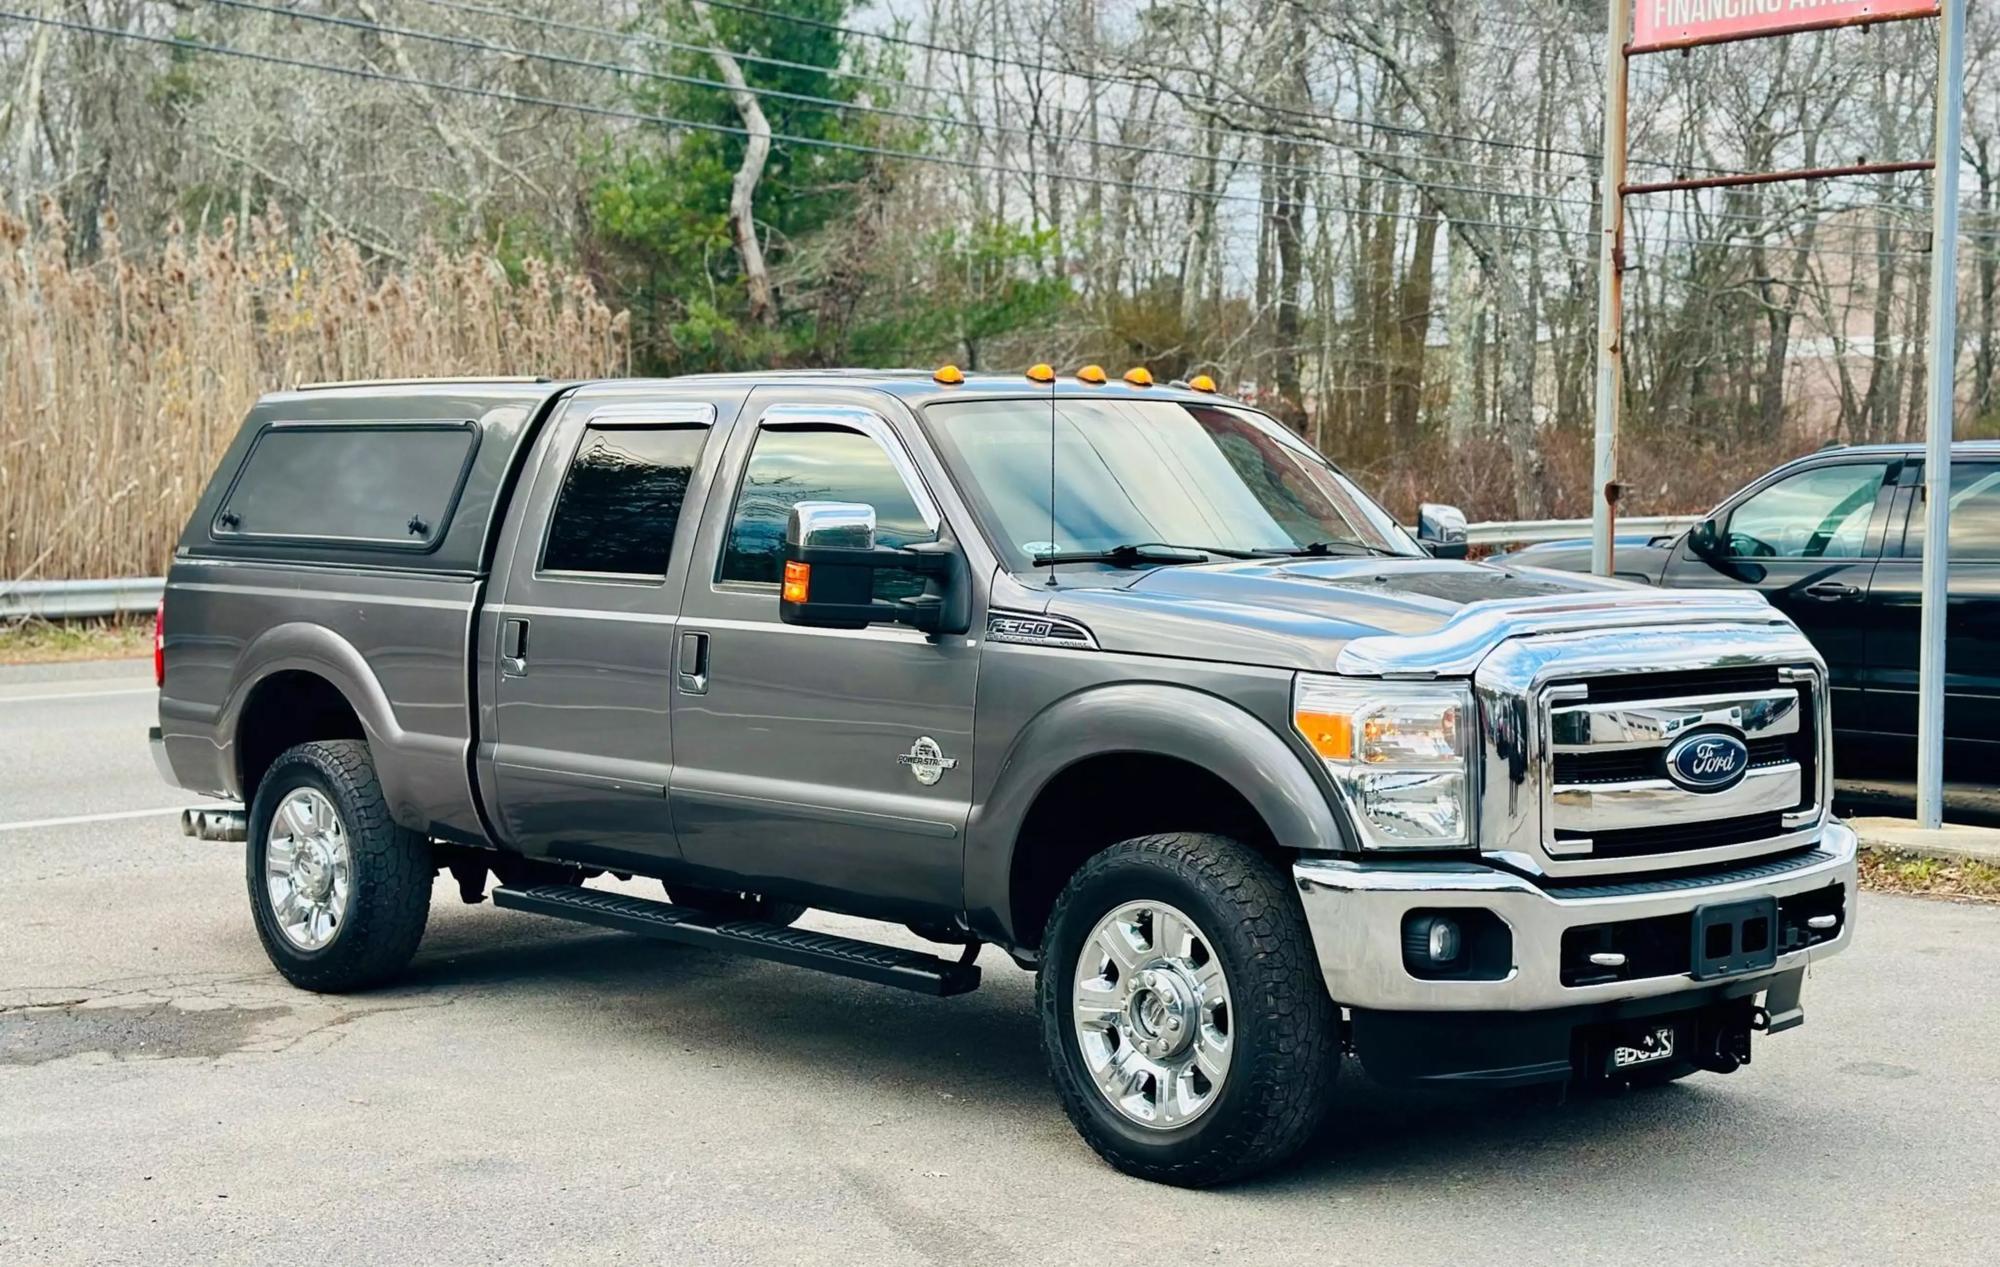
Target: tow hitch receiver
{"points": [[1642, 1047], [1716, 1039]]}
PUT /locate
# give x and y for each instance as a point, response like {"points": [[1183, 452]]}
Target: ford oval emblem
{"points": [[1708, 761]]}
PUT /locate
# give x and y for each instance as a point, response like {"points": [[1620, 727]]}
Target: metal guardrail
{"points": [[1498, 532], [72, 600]]}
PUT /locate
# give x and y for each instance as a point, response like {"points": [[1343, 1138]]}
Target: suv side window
{"points": [[818, 462], [1823, 513], [1974, 512], [621, 501]]}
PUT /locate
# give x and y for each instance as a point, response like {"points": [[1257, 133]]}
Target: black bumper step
{"points": [[842, 956]]}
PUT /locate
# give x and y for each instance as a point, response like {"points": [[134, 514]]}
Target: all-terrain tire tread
{"points": [[1292, 1072], [392, 875]]}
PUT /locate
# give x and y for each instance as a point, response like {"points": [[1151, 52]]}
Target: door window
{"points": [[813, 462], [1974, 515], [621, 501], [1817, 514]]}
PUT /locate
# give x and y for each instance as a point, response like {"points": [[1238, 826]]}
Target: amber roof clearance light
{"points": [[1043, 373], [1202, 383], [949, 375], [1139, 376], [1092, 374]]}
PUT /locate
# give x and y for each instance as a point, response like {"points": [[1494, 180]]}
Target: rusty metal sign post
{"points": [[1663, 25]]}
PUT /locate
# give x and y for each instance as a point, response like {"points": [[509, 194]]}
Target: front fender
{"points": [[1169, 721]]}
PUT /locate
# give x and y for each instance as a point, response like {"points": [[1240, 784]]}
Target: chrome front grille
{"points": [[1608, 792], [1574, 727]]}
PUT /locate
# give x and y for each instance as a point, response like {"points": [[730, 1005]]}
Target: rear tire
{"points": [[340, 893], [723, 903], [1215, 983]]}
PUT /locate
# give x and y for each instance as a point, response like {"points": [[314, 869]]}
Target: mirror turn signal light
{"points": [[1092, 374], [1202, 383], [949, 375], [1042, 373], [798, 581], [1139, 376]]}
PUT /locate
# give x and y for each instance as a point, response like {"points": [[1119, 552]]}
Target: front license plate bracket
{"points": [[1732, 938]]}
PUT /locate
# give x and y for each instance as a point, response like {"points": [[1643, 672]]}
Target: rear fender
{"points": [[309, 648]]}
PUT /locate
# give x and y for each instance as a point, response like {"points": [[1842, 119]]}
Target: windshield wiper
{"points": [[1324, 549], [1131, 553]]}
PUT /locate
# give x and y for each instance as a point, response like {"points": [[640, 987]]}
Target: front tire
{"points": [[1184, 1019], [340, 893]]}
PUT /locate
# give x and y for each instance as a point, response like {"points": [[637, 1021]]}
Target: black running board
{"points": [[842, 956]]}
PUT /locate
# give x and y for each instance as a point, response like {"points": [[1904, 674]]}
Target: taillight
{"points": [[160, 643]]}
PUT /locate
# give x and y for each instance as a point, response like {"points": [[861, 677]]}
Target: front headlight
{"points": [[1399, 752]]}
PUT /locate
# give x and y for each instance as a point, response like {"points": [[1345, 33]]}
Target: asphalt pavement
{"points": [[537, 1092]]}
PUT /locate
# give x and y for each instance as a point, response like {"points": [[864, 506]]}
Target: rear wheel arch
{"points": [[285, 709], [300, 682]]}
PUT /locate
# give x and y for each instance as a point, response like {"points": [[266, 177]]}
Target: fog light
{"points": [[1443, 941], [1432, 942], [1464, 943]]}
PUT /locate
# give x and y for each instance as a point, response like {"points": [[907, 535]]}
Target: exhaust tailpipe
{"points": [[215, 824]]}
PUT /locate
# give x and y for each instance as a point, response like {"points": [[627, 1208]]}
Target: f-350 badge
{"points": [[927, 761]]}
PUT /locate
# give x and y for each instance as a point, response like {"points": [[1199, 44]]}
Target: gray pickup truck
{"points": [[1123, 679]]}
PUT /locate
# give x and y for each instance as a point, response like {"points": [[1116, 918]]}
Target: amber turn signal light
{"points": [[950, 375], [1330, 734], [1092, 374], [798, 580]]}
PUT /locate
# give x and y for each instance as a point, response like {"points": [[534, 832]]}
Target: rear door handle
{"points": [[694, 664], [1832, 591], [514, 647]]}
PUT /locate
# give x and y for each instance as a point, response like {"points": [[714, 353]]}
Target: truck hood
{"points": [[1300, 614]]}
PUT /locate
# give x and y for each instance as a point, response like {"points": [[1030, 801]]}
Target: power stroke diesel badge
{"points": [[927, 761]]}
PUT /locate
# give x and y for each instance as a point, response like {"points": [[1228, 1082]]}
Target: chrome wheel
{"points": [[308, 868], [1151, 1013]]}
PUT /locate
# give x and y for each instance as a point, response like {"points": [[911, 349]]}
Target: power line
{"points": [[834, 103], [1321, 206], [486, 46], [646, 38], [696, 125]]}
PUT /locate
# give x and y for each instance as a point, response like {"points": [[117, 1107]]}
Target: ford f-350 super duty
{"points": [[1124, 680]]}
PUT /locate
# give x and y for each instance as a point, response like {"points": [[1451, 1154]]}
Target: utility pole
{"points": [[1610, 288], [1937, 447]]}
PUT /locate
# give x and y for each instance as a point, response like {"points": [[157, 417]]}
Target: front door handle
{"points": [[694, 664], [1833, 591], [514, 647]]}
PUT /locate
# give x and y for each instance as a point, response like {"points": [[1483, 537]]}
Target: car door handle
{"points": [[694, 664], [1833, 591], [514, 647]]}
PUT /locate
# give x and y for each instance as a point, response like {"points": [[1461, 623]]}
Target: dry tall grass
{"points": [[122, 381]]}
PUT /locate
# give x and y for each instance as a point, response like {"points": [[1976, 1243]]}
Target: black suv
{"points": [[1836, 540]]}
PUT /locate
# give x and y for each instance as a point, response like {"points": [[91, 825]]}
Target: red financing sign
{"points": [[1659, 24]]}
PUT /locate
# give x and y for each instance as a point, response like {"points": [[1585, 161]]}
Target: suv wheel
{"points": [[1184, 1019], [340, 893]]}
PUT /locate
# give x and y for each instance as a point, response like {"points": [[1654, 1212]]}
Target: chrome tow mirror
{"points": [[1441, 529]]}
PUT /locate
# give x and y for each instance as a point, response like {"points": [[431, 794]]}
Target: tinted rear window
{"points": [[385, 485], [621, 500]]}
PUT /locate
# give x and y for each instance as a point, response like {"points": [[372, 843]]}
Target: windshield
{"points": [[1151, 471]]}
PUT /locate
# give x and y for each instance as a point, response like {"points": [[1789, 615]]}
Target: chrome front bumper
{"points": [[1355, 910]]}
